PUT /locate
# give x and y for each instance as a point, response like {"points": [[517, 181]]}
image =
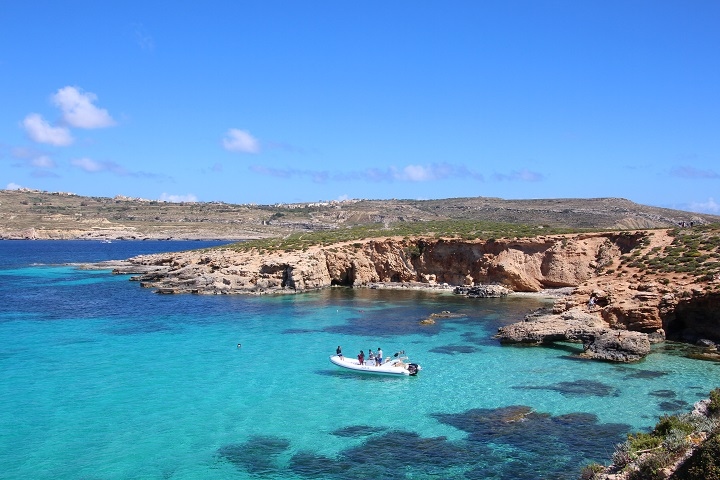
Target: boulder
{"points": [[618, 346]]}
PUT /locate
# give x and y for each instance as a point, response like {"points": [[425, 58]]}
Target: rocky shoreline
{"points": [[626, 316], [630, 310]]}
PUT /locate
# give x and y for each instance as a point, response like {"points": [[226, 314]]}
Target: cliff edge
{"points": [[633, 303]]}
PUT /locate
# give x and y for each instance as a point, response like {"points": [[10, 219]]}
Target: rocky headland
{"points": [[631, 305], [625, 272]]}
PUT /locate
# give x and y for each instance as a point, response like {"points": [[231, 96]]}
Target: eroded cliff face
{"points": [[523, 265], [585, 261]]}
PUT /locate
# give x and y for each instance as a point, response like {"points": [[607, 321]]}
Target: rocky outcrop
{"points": [[623, 299], [599, 341], [618, 346], [483, 291], [521, 265]]}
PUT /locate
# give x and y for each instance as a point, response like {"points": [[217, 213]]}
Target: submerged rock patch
{"points": [[674, 405], [663, 393], [530, 445], [578, 387], [256, 456], [642, 374], [511, 442]]}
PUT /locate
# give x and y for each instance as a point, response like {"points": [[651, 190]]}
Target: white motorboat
{"points": [[396, 365]]}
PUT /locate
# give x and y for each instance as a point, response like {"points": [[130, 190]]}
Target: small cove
{"points": [[104, 379]]}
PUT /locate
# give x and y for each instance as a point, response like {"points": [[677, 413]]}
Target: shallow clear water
{"points": [[103, 379]]}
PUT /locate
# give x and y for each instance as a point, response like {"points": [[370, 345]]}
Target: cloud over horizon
{"points": [[166, 197], [237, 140], [519, 175], [93, 166], [686, 171], [408, 173], [79, 110], [40, 131], [711, 206]]}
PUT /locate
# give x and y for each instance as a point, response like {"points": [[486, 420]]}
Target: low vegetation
{"points": [[463, 229], [648, 455], [694, 252]]}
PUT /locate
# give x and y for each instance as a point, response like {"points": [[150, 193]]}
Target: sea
{"points": [[103, 379]]}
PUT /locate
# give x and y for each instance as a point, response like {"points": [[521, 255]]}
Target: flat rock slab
{"points": [[600, 341]]}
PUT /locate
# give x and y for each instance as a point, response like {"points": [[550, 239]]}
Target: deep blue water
{"points": [[102, 379]]}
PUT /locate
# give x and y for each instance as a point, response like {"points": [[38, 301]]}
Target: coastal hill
{"points": [[32, 214]]}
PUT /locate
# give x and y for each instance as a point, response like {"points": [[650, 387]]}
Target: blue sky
{"points": [[294, 101]]}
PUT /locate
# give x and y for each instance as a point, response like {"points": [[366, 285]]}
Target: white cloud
{"points": [[409, 173], [693, 173], [79, 111], [43, 161], [87, 164], [706, 207], [416, 173], [94, 166], [13, 186], [142, 38], [240, 141], [435, 171], [523, 175], [42, 132], [166, 197]]}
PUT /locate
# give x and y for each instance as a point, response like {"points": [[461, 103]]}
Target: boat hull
{"points": [[394, 367]]}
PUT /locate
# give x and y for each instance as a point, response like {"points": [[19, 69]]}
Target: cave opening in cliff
{"points": [[344, 279], [694, 320]]}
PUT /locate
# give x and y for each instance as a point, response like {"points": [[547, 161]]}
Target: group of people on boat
{"points": [[375, 358]]}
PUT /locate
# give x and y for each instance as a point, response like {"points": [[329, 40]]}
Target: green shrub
{"points": [[704, 464], [714, 406], [588, 472], [643, 441], [651, 467], [670, 423]]}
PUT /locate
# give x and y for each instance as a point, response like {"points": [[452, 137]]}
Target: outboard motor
{"points": [[413, 368]]}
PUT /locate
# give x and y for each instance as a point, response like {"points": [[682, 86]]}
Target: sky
{"points": [[301, 101]]}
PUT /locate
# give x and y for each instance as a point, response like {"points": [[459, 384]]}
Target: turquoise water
{"points": [[102, 379]]}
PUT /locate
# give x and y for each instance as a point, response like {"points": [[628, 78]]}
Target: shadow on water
{"points": [[357, 431], [385, 322], [453, 349], [511, 442], [362, 377]]}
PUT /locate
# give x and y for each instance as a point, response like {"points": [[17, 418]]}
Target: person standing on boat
{"points": [[338, 352], [361, 358], [378, 356], [371, 356]]}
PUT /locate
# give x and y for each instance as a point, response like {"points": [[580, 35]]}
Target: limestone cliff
{"points": [[522, 265], [625, 298]]}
